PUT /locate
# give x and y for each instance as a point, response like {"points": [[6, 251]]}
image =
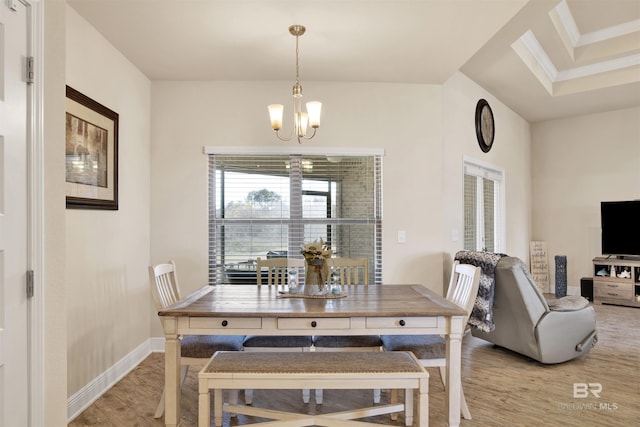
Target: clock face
{"points": [[485, 127]]}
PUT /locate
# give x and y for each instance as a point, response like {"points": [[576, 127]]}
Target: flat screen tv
{"points": [[620, 223]]}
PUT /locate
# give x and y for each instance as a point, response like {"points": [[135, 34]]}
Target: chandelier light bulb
{"points": [[313, 109], [275, 114]]}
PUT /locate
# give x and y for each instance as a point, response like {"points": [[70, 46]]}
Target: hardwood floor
{"points": [[502, 388]]}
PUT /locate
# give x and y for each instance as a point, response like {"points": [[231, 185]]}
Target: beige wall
{"points": [[577, 163], [404, 120], [107, 252], [54, 291], [511, 152], [424, 131]]}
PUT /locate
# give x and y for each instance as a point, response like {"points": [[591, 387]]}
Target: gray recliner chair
{"points": [[525, 322]]}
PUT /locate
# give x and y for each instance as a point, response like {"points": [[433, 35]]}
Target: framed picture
{"points": [[91, 153]]}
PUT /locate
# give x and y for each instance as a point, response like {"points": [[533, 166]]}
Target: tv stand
{"points": [[629, 258], [616, 281]]}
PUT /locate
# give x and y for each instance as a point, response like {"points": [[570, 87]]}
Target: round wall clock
{"points": [[485, 127]]}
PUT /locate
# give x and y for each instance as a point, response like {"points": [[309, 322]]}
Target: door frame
{"points": [[35, 215]]}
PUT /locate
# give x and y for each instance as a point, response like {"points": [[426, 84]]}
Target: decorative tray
{"points": [[303, 295]]}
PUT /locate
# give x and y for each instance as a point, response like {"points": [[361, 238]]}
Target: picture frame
{"points": [[91, 153]]}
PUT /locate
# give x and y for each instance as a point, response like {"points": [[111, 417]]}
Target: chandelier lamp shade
{"points": [[301, 120]]}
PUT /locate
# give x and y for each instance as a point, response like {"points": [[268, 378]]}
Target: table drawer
{"points": [[605, 290], [401, 322], [314, 324], [228, 323]]}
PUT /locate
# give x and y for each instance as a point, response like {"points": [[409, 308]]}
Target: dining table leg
{"points": [[454, 369], [171, 374]]}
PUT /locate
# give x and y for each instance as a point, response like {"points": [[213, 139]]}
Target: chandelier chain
{"points": [[297, 66]]}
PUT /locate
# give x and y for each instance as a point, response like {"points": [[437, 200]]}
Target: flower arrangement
{"points": [[315, 255], [315, 251]]}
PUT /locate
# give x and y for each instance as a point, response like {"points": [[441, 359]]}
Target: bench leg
{"points": [[204, 415], [218, 402], [408, 407], [233, 400], [393, 399], [423, 403]]}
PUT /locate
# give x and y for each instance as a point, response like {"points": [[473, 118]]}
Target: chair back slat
{"points": [[164, 284], [463, 287], [350, 271], [277, 270]]}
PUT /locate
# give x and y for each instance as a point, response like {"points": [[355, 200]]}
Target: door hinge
{"points": [[30, 288], [30, 70]]}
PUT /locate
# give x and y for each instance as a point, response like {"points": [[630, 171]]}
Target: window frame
{"points": [[376, 262], [485, 170]]}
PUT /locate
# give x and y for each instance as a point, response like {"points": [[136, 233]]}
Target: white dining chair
{"points": [[196, 350], [277, 271], [348, 271], [431, 349]]}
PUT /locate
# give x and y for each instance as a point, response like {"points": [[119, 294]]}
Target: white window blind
{"points": [[268, 205], [483, 207]]}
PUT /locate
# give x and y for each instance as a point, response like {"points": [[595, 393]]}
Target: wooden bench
{"points": [[341, 370]]}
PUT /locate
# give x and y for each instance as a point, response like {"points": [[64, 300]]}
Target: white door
{"points": [[14, 397]]}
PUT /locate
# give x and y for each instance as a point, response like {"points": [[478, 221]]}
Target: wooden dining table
{"points": [[269, 310]]}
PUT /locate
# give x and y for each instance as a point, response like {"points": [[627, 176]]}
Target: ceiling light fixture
{"points": [[301, 120]]}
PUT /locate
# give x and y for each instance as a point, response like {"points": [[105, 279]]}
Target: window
{"points": [[483, 207], [269, 205]]}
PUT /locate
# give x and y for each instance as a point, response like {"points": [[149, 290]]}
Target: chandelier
{"points": [[301, 120]]}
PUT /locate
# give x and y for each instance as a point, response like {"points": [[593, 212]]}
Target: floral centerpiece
{"points": [[315, 255]]}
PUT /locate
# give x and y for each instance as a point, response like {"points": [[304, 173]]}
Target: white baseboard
{"points": [[82, 399]]}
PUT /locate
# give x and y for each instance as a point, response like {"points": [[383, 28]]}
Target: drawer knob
{"points": [[402, 322], [314, 324], [225, 323]]}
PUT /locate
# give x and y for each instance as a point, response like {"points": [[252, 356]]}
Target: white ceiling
{"points": [[402, 41]]}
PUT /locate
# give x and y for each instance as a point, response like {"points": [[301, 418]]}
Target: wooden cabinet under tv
{"points": [[616, 281]]}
